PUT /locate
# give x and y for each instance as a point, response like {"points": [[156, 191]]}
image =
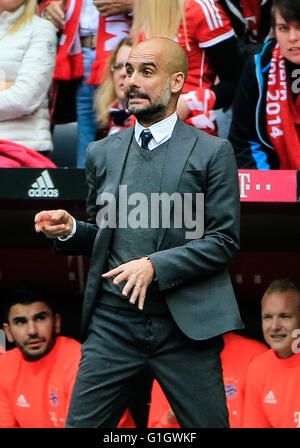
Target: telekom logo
{"points": [[244, 179]]}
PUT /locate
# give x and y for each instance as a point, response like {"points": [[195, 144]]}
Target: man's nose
{"points": [[133, 80], [275, 323], [32, 328]]}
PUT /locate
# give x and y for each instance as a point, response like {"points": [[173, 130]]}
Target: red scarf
{"points": [[283, 115], [69, 60], [251, 12]]}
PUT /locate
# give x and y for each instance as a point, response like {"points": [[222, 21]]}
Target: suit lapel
{"points": [[115, 160], [179, 149]]}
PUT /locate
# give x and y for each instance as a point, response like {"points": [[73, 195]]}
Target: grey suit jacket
{"points": [[191, 274]]}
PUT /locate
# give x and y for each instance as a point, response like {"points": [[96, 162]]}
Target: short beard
{"points": [[31, 357], [156, 109], [150, 113]]}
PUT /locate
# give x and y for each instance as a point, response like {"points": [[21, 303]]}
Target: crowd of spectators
{"points": [[63, 67]]}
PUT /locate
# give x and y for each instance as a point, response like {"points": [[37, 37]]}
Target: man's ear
{"points": [[57, 323], [9, 336], [176, 81]]}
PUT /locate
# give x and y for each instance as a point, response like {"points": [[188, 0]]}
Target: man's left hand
{"points": [[138, 274], [111, 7]]}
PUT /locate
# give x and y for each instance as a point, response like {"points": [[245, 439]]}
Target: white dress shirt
{"points": [[161, 131]]}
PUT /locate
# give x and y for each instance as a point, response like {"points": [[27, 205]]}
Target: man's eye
{"points": [[40, 318]]}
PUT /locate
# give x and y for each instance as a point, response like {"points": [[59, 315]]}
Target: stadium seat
{"points": [[65, 145]]}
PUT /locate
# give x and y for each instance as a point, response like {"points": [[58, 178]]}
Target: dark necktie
{"points": [[146, 136]]}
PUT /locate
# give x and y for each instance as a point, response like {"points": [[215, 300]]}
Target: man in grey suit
{"points": [[158, 295]]}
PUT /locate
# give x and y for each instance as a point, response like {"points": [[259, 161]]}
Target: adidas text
{"points": [[43, 193]]}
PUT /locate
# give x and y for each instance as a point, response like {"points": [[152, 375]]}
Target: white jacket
{"points": [[27, 58]]}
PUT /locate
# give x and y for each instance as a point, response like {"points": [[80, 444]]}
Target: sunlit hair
{"points": [[30, 8], [283, 285], [158, 18], [105, 96]]}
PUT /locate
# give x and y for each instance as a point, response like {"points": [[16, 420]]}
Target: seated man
{"points": [[236, 356], [272, 386], [265, 129], [36, 377]]}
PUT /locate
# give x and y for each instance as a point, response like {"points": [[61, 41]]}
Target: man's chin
{"points": [[34, 355], [144, 113], [137, 107]]}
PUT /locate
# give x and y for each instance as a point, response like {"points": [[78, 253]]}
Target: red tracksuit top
{"points": [[273, 392], [37, 394]]}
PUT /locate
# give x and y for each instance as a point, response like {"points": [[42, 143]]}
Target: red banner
{"points": [[268, 186]]}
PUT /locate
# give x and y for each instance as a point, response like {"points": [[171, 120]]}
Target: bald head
{"points": [[156, 69], [171, 53]]}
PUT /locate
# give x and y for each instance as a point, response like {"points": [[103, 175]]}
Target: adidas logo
{"points": [[270, 398], [43, 187], [21, 401]]}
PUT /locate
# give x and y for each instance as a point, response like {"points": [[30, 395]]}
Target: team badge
{"points": [[53, 398], [230, 385]]}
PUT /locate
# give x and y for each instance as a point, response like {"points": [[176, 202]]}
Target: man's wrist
{"points": [[154, 273], [71, 234]]}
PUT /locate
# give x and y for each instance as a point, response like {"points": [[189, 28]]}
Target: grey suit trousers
{"points": [[120, 345]]}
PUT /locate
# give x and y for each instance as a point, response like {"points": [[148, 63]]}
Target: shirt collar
{"points": [[161, 131]]}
